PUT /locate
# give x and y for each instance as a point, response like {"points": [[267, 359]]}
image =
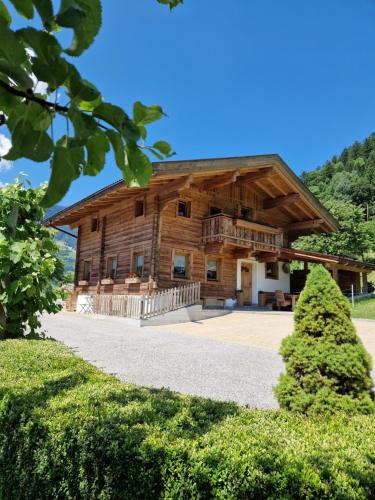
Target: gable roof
{"points": [[284, 182]]}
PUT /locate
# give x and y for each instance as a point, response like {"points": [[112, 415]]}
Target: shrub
{"points": [[69, 431], [327, 366], [29, 266]]}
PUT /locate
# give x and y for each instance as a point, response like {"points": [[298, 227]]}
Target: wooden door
{"points": [[246, 271]]}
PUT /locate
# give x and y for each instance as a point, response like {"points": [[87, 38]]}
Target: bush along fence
{"points": [[140, 306]]}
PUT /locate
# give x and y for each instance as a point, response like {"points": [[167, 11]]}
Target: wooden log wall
{"points": [[158, 237], [179, 234], [120, 234]]}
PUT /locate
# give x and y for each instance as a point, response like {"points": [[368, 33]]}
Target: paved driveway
{"points": [[260, 329], [156, 357], [232, 357]]}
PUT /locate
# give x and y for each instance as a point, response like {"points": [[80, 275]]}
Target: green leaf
{"points": [[143, 115], [70, 14], [77, 155], [164, 148], [118, 148], [54, 74], [29, 143], [37, 117], [13, 217], [4, 14], [47, 64], [111, 114], [80, 89], [84, 125], [24, 7], [138, 168], [86, 31], [154, 152], [130, 131], [172, 3], [97, 148], [7, 101], [88, 97], [45, 11], [64, 172], [10, 48], [42, 149], [143, 131], [16, 73], [44, 45]]}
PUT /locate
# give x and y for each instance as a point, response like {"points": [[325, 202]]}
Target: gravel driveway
{"points": [[156, 357]]}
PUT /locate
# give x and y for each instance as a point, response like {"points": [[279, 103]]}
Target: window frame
{"points": [[84, 275], [189, 264], [274, 275], [97, 225], [188, 204], [136, 202], [135, 255], [111, 258], [219, 261]]}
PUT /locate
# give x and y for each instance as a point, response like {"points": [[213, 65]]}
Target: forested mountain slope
{"points": [[346, 186], [349, 177]]}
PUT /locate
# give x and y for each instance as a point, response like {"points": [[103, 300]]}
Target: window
{"points": [[272, 270], [112, 267], [213, 269], [87, 270], [139, 208], [181, 265], [184, 209], [138, 261], [215, 211], [94, 225]]}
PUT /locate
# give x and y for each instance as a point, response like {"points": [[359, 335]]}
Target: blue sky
{"points": [[236, 77]]}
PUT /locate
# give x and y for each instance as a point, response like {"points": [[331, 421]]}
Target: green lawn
{"points": [[68, 431], [364, 309]]}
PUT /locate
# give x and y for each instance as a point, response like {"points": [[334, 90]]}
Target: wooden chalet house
{"points": [[226, 223]]}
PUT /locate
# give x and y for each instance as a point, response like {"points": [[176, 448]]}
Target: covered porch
{"points": [[260, 276]]}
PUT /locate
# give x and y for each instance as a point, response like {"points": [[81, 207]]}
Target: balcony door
{"points": [[246, 282]]}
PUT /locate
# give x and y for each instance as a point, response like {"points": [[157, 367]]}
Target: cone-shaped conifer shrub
{"points": [[327, 366]]}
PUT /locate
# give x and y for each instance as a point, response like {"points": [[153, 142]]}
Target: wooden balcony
{"points": [[228, 231]]}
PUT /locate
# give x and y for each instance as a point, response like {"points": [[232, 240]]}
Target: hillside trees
{"points": [[355, 238], [349, 177], [29, 265], [346, 186], [29, 56]]}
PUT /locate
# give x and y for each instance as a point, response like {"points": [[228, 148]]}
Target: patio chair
{"points": [[281, 301]]}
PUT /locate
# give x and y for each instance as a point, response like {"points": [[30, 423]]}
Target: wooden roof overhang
{"points": [[268, 175], [336, 261]]}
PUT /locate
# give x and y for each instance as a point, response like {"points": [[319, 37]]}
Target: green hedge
{"points": [[69, 431]]}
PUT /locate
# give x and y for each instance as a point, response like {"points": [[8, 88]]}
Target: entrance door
{"points": [[246, 271]]}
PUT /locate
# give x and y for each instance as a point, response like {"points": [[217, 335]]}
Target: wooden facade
{"points": [[196, 221]]}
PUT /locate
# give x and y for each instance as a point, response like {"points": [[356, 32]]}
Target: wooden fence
{"points": [[144, 306]]}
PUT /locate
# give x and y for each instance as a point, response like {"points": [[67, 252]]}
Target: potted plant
{"points": [[133, 278]]}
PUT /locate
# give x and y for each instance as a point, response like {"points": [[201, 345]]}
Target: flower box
{"points": [[107, 281], [133, 279]]}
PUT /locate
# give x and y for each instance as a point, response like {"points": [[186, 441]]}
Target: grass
{"points": [[67, 430], [364, 309]]}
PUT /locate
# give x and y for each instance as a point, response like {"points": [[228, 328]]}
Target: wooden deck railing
{"points": [[223, 228], [144, 306]]}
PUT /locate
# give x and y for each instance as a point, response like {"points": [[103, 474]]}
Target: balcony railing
{"points": [[242, 233]]}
